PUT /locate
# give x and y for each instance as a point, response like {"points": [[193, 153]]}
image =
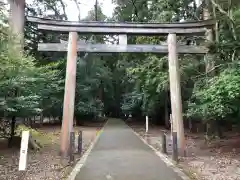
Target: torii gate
{"points": [[199, 28]]}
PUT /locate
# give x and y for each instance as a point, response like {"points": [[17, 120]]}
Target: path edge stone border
{"points": [[164, 158], [84, 157]]}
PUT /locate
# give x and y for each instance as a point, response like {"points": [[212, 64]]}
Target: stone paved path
{"points": [[120, 155]]}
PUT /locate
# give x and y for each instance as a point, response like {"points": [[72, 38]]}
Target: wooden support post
{"points": [[80, 142], [174, 146], [23, 151], [164, 143], [69, 95], [72, 146], [175, 90], [146, 124], [17, 17], [166, 114]]}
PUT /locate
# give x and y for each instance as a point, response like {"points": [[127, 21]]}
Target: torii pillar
{"points": [[69, 94], [175, 92]]}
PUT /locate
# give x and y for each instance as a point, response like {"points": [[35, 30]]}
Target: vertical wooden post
{"points": [[69, 95], [72, 146], [175, 90], [166, 115], [17, 17], [146, 124], [80, 142], [174, 147], [164, 143]]}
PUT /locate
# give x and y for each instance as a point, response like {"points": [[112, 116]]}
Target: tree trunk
{"points": [[17, 17], [209, 59], [190, 125], [209, 130], [13, 124], [31, 122], [218, 129], [41, 120], [34, 121], [34, 145]]}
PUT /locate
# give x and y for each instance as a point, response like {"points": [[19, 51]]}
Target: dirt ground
{"points": [[218, 160], [46, 163]]}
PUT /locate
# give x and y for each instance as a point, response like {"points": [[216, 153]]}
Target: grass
{"points": [[42, 137]]}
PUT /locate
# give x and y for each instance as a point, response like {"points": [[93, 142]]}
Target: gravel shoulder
{"points": [[45, 164], [218, 160]]}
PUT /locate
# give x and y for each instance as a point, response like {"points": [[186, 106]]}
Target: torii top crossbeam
{"points": [[181, 28]]}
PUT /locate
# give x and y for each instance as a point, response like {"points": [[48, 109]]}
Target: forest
{"points": [[119, 84]]}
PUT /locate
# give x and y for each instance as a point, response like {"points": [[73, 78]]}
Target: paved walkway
{"points": [[120, 155]]}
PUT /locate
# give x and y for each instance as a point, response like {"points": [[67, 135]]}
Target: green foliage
{"points": [[23, 85], [15, 71], [204, 97], [219, 98], [150, 79], [91, 72], [25, 88], [131, 102], [216, 97]]}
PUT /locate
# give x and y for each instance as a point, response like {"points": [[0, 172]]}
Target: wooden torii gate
{"points": [[151, 29], [171, 30]]}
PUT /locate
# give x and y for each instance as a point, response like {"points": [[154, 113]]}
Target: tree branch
{"points": [[64, 9], [135, 8], [204, 74], [78, 7], [229, 16], [221, 10]]}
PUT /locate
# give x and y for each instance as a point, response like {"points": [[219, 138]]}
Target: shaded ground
{"points": [[219, 160], [120, 155], [45, 164]]}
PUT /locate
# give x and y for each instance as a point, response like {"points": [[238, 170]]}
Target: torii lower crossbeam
{"points": [[109, 48]]}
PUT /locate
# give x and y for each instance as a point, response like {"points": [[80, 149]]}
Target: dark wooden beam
{"points": [[190, 24], [126, 30], [108, 48]]}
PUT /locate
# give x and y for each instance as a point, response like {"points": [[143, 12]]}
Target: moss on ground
{"points": [[44, 138]]}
